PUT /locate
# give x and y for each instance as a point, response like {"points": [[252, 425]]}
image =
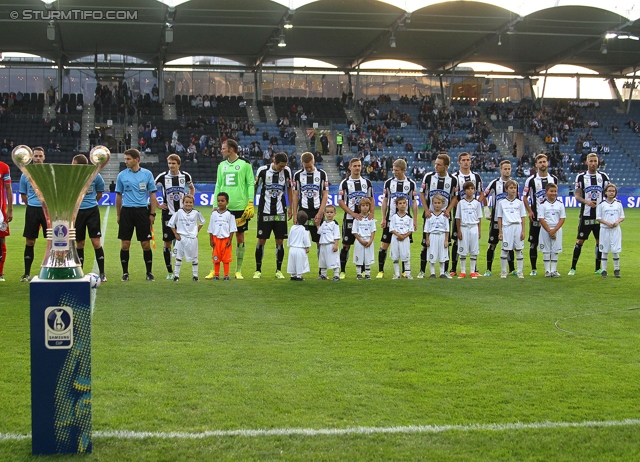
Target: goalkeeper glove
{"points": [[248, 211]]}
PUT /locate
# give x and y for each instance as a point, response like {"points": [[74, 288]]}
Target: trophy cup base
{"points": [[61, 273]]}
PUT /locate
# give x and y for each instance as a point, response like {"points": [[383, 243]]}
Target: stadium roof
{"points": [[524, 35]]}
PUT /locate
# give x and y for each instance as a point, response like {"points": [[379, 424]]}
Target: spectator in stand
{"points": [[408, 147]]}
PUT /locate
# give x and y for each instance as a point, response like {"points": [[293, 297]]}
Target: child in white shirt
{"points": [[186, 223], [328, 255], [364, 231], [401, 227], [610, 214], [551, 215], [299, 243]]}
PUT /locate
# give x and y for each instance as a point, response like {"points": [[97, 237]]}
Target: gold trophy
{"points": [[60, 188]]}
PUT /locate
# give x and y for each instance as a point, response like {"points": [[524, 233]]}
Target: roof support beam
{"points": [[373, 45], [474, 47], [577, 49]]}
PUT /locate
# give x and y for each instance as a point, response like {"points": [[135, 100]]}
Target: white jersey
{"points": [[328, 231], [610, 238], [436, 224], [469, 212], [551, 212], [364, 228], [299, 237], [222, 224], [187, 223], [511, 211]]}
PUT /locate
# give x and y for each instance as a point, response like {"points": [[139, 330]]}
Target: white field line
{"points": [[133, 435]]}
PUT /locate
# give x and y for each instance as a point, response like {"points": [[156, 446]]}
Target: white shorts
{"points": [[470, 242], [327, 258], [548, 245], [437, 252], [298, 262], [511, 237], [186, 249], [400, 250], [363, 255], [610, 240]]}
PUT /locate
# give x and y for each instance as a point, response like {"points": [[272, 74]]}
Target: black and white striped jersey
{"points": [[173, 188], [273, 190], [309, 186], [534, 188], [592, 186], [462, 179], [446, 186], [496, 187], [395, 189], [351, 191]]}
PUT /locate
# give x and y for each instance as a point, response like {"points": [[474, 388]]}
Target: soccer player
{"points": [[436, 237], [610, 214], [534, 191], [136, 208], [463, 175], [235, 177], [274, 181], [89, 219], [395, 188], [469, 223], [551, 215], [510, 214], [6, 208], [401, 227], [299, 243], [589, 189], [329, 233], [310, 193], [498, 188], [185, 224], [34, 217], [221, 228], [364, 230], [442, 183], [173, 184], [352, 189]]}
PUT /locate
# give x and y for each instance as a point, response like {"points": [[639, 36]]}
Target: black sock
{"points": [[124, 260], [100, 259], [490, 255], [510, 260], [576, 255], [423, 259], [533, 257], [81, 257], [259, 253], [344, 255], [148, 259], [598, 257], [279, 256], [166, 253], [382, 256], [28, 258], [454, 255]]}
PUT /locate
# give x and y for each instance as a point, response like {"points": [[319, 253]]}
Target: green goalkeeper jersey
{"points": [[236, 179]]}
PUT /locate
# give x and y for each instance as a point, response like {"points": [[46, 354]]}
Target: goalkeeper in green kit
{"points": [[235, 177]]}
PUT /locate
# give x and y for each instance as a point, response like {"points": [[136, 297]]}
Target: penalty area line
{"points": [[133, 435]]}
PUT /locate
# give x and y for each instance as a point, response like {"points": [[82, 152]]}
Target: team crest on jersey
{"points": [[447, 185], [181, 180], [316, 179], [237, 167]]}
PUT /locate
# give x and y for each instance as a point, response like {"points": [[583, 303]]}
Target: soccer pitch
{"points": [[487, 369]]}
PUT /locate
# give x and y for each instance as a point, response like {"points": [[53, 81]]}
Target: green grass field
{"points": [[435, 370]]}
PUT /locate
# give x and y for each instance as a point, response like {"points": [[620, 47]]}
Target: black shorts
{"points": [[167, 232], [238, 214], [588, 226], [386, 234], [88, 219], [347, 236], [275, 223], [534, 232], [33, 221], [134, 218], [493, 233], [310, 225]]}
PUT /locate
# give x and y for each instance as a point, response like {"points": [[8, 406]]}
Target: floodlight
{"points": [[392, 41], [288, 25], [281, 42]]}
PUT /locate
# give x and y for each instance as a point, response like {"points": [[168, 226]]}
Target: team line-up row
{"points": [[452, 214]]}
